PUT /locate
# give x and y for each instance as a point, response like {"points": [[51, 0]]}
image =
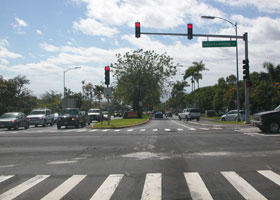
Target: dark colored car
{"points": [[118, 114], [70, 117], [158, 115], [268, 122], [14, 120], [86, 117]]}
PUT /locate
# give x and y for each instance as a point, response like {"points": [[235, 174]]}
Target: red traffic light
{"points": [[137, 30], [137, 24], [190, 31], [107, 68]]}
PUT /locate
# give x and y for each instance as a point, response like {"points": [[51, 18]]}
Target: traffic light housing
{"points": [[137, 30], [107, 75], [246, 70], [190, 31]]}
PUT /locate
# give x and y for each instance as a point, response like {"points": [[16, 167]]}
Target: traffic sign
{"points": [[107, 92], [229, 43]]}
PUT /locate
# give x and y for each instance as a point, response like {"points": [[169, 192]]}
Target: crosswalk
{"points": [[130, 130], [152, 189]]}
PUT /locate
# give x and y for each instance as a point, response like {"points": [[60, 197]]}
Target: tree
{"points": [[273, 71], [141, 76], [51, 100], [177, 94]]}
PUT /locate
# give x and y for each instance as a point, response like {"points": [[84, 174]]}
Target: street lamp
{"points": [[72, 68], [237, 74]]}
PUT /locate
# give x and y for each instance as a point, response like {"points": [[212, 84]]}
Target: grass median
{"points": [[119, 123]]}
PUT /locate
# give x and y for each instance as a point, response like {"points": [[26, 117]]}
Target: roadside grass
{"points": [[219, 121], [118, 123]]}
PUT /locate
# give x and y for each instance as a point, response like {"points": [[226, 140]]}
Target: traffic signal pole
{"points": [[244, 38]]}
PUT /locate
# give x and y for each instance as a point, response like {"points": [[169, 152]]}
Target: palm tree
{"points": [[273, 71], [198, 67], [190, 72]]}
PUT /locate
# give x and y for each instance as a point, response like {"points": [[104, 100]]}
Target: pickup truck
{"points": [[269, 121], [41, 116], [189, 114]]}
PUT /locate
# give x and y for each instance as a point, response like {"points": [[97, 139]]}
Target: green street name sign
{"points": [[230, 43]]}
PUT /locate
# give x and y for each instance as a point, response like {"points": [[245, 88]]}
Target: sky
{"points": [[42, 39]]}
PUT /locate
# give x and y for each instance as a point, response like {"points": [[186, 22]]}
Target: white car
{"points": [[232, 115]]}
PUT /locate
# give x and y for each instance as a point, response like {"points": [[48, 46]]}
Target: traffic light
{"points": [[137, 30], [107, 75], [249, 83], [190, 32], [246, 69]]}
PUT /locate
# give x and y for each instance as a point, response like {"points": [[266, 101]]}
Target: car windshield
{"points": [[9, 115], [93, 111], [277, 108], [71, 111], [37, 112]]}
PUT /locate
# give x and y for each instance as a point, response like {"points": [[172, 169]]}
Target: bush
{"points": [[210, 113]]}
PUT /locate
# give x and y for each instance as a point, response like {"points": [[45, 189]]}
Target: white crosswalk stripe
{"points": [[3, 178], [16, 191], [106, 190], [152, 189], [242, 186], [271, 176], [64, 188], [197, 187], [167, 130], [155, 129]]}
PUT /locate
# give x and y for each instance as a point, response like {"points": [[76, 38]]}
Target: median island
{"points": [[122, 123]]}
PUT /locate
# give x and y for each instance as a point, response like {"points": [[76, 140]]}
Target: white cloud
{"points": [[48, 47], [104, 16], [39, 32], [95, 28], [20, 23], [5, 53], [271, 6]]}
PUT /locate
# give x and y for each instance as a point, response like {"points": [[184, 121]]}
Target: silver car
{"points": [[232, 115]]}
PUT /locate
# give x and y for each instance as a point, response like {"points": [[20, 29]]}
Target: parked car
{"points": [[105, 115], [158, 115], [168, 114], [189, 114], [95, 114], [232, 115], [14, 120], [55, 116], [269, 121], [118, 113], [70, 117], [41, 116], [86, 117]]}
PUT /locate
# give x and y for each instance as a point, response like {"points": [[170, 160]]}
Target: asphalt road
{"points": [[163, 159]]}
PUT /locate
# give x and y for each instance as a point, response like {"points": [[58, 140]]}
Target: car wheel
{"points": [[66, 126], [44, 124], [197, 119], [9, 128], [77, 125], [273, 127], [16, 127], [179, 118], [58, 127], [26, 126], [223, 119], [36, 125]]}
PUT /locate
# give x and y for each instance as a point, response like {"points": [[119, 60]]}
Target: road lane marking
{"points": [[64, 188], [108, 187], [197, 188], [7, 166], [6, 177], [242, 186], [271, 176], [167, 130], [117, 130], [180, 129], [205, 129], [81, 130], [152, 187], [142, 130], [105, 130], [93, 130], [190, 128], [129, 130], [16, 191], [59, 162], [155, 129]]}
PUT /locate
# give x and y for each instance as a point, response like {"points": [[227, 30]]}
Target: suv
{"points": [[95, 114], [268, 121], [70, 117], [189, 114], [41, 116]]}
